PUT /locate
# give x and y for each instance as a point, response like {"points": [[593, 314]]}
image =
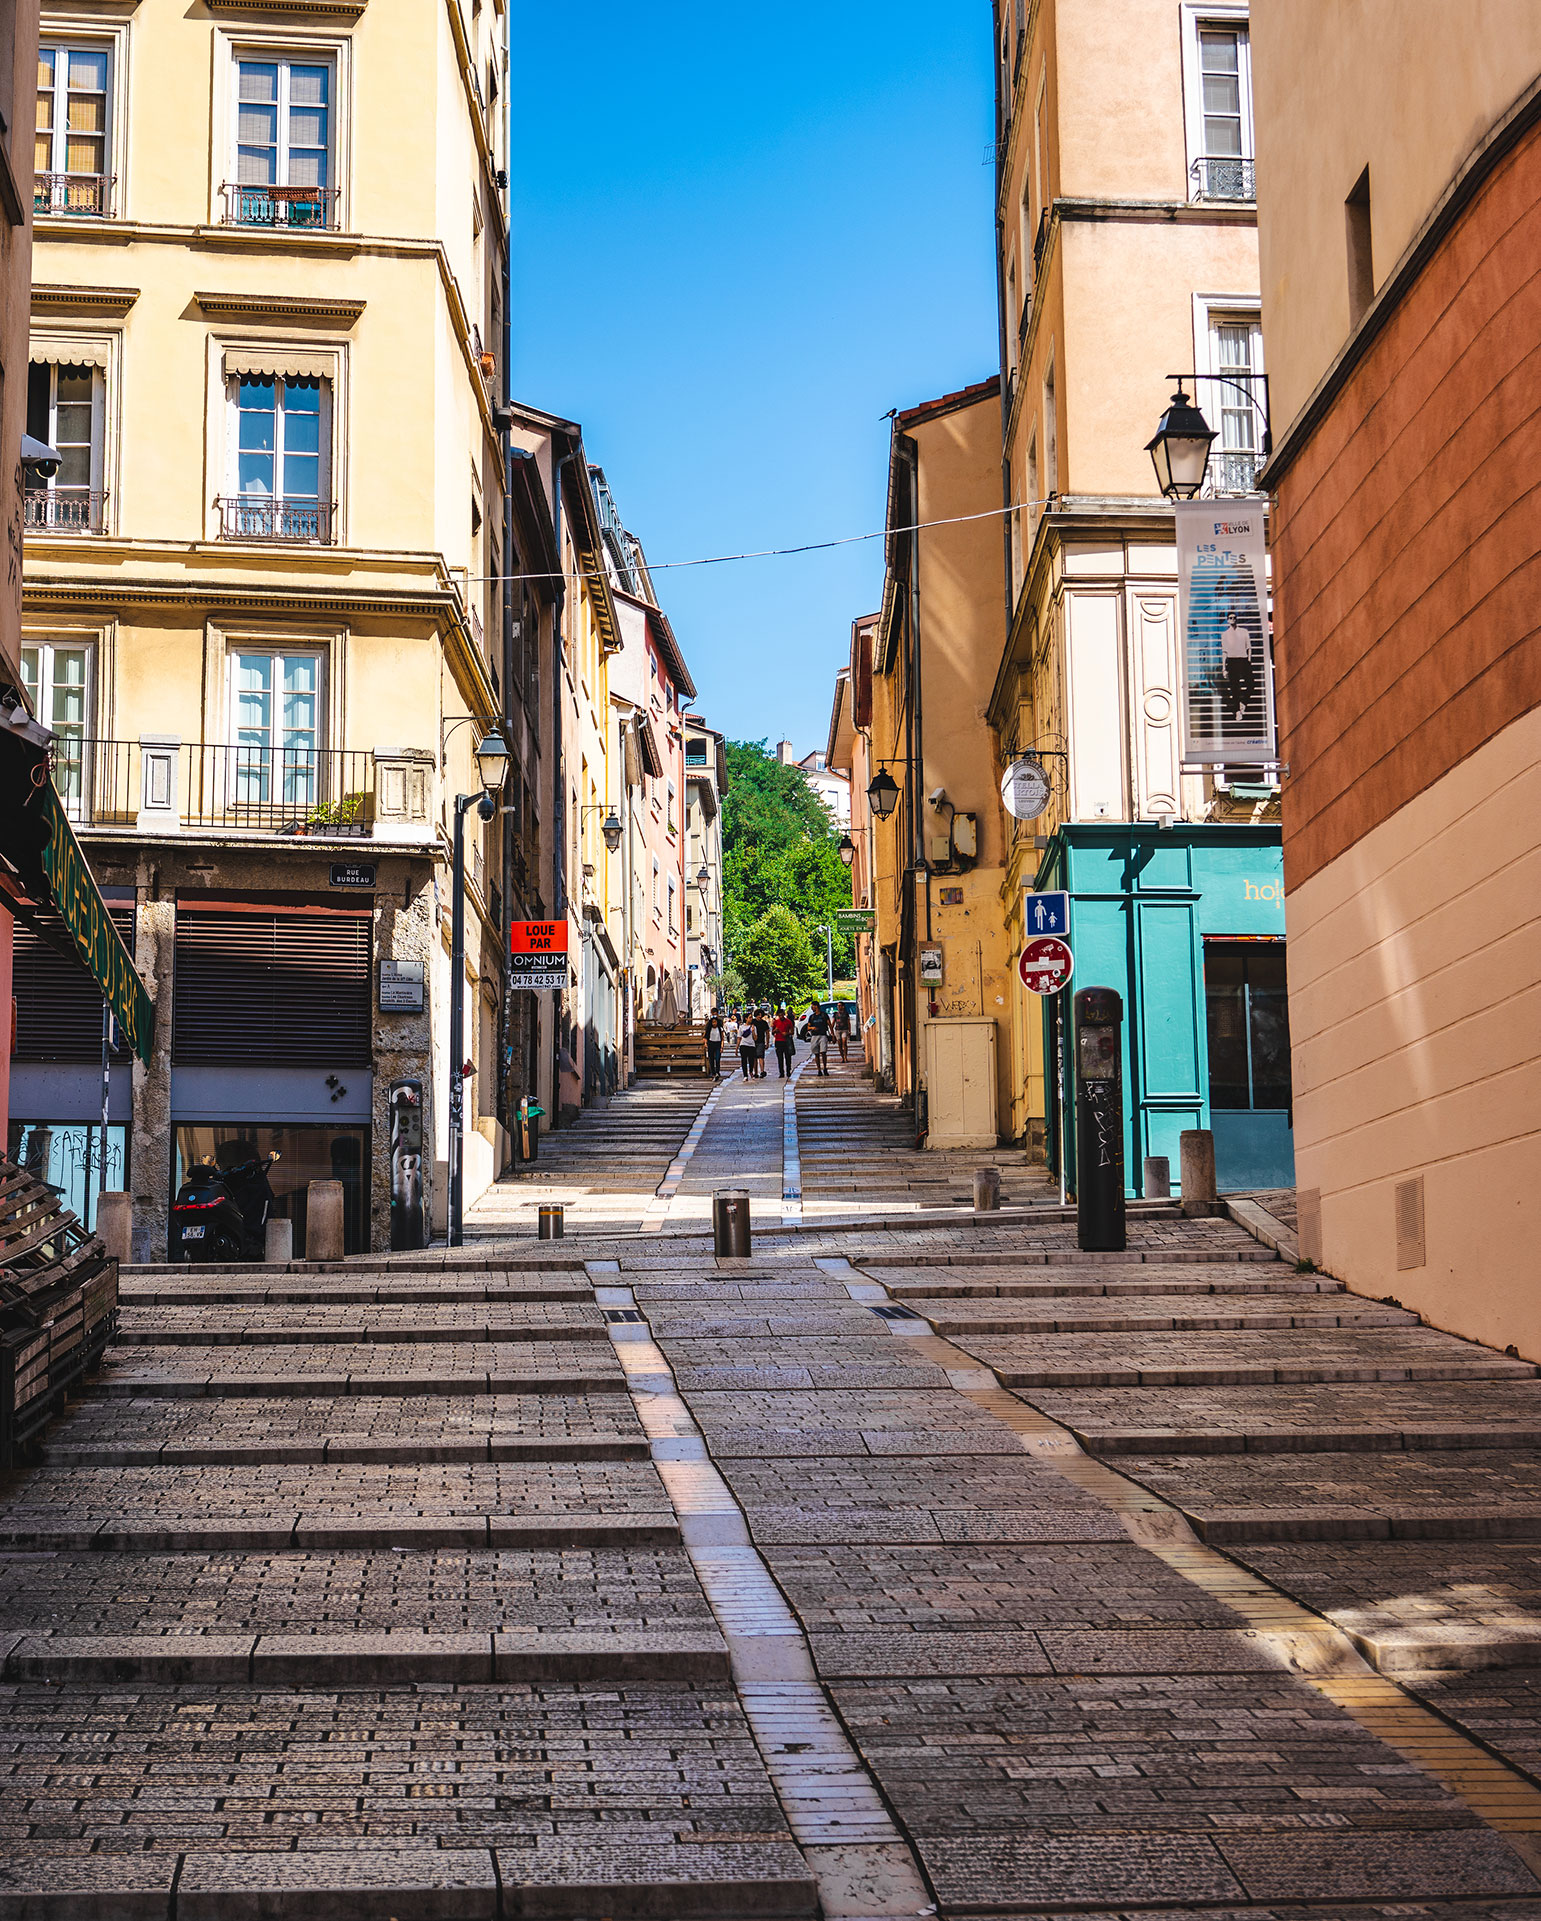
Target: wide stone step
{"points": [[1155, 1314], [371, 1368], [260, 1291], [326, 1322]]}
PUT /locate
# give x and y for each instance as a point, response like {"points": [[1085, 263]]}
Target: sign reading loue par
{"points": [[90, 928], [537, 953], [1222, 612]]}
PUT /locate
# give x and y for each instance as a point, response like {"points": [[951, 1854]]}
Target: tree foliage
{"points": [[776, 959], [780, 849]]}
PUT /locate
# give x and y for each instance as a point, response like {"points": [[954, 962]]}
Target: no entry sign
{"points": [[1046, 965], [537, 953]]}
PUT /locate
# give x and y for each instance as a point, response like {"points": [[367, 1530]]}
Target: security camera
{"points": [[39, 461], [938, 797]]}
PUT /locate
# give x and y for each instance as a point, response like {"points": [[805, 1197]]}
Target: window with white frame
{"points": [[280, 458], [1236, 357], [275, 727], [673, 911], [1050, 433], [284, 143], [57, 677], [72, 156], [1218, 62], [66, 408], [656, 872]]}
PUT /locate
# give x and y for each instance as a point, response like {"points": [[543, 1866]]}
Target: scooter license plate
{"points": [[192, 1233]]}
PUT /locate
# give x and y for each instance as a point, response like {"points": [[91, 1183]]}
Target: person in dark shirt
{"points": [[816, 1027]]}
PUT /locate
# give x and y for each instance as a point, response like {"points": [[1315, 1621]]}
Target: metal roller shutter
{"points": [[282, 987], [58, 1004]]}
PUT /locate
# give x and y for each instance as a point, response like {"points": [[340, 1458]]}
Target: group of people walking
{"points": [[751, 1031]]}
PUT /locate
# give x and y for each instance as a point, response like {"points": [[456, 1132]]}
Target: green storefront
{"points": [[1187, 923]]}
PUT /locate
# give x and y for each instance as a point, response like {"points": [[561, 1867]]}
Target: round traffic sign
{"points": [[1025, 789], [1046, 964]]}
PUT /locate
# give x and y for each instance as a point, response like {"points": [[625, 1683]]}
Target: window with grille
{"points": [[57, 678], [275, 723], [1236, 354], [272, 986], [283, 123], [72, 157], [281, 458], [66, 408]]}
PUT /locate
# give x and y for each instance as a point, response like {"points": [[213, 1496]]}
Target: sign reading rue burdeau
{"points": [[537, 953]]}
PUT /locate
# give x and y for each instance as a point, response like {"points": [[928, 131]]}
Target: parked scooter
{"points": [[222, 1208]]}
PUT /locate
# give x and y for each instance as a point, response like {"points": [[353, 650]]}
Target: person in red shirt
{"points": [[781, 1031]]}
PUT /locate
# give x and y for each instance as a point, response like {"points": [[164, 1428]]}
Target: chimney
{"points": [[784, 752]]}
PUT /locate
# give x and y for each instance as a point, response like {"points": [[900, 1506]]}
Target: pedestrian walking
{"points": [[816, 1027], [714, 1044], [746, 1043], [762, 1031], [781, 1031], [843, 1026]]}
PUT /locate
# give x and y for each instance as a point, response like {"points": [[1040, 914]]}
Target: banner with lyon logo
{"points": [[1222, 607]]}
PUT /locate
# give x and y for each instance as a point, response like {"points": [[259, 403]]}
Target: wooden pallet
{"points": [[58, 1306], [670, 1050]]}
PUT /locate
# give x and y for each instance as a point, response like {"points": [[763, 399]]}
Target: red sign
{"points": [[537, 937], [1046, 964]]}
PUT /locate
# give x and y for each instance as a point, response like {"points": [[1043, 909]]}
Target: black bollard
{"points": [[1099, 1174]]}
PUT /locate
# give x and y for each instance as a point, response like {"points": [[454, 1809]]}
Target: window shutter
{"points": [[58, 1004], [274, 986]]}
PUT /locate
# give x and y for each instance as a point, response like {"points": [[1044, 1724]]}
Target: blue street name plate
{"points": [[1046, 914]]}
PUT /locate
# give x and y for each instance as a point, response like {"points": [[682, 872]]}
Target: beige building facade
{"points": [[262, 606], [1399, 171], [1127, 248]]}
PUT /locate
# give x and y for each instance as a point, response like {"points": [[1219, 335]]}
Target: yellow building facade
{"points": [[262, 609]]}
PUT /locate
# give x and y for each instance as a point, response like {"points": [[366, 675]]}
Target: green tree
{"points": [[780, 849], [776, 959]]}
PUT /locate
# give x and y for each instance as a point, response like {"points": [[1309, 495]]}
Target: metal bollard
{"points": [[550, 1225], [987, 1190], [278, 1240], [730, 1223], [1198, 1173], [1158, 1177]]}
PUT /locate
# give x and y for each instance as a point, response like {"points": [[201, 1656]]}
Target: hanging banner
{"points": [[1222, 606]]}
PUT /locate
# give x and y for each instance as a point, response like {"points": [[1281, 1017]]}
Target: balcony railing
{"points": [[297, 209], [1220, 177], [78, 195], [62, 510], [1233, 470], [207, 784], [260, 517]]}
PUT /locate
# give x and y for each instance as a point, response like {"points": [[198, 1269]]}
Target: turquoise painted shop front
{"points": [[1187, 924]]}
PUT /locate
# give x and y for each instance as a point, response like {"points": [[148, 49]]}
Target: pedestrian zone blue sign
{"points": [[1047, 914]]}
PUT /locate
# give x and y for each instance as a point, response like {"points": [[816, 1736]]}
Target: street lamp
{"points": [[611, 829], [492, 764], [883, 793], [1179, 452], [845, 847], [703, 883]]}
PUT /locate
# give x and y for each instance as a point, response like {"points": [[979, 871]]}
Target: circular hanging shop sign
{"points": [[1046, 964], [1025, 789]]}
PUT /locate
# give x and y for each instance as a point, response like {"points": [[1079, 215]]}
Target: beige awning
{"points": [[70, 352], [286, 363]]}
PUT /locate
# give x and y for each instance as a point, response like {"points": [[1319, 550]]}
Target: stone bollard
{"points": [[323, 1221], [987, 1189], [115, 1225], [1158, 1177], [1198, 1173], [278, 1243]]}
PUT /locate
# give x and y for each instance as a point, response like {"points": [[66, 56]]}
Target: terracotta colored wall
{"points": [[1407, 544]]}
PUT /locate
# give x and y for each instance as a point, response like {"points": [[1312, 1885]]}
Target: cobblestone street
{"points": [[917, 1564]]}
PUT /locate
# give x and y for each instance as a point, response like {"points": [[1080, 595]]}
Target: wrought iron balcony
{"points": [[1233, 470], [1222, 177], [295, 209], [133, 785], [76, 195], [64, 510], [261, 517]]}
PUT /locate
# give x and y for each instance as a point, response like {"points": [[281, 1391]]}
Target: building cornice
{"points": [[346, 10], [87, 300], [285, 308]]}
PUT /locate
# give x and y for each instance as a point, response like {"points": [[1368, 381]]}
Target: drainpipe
{"points": [[558, 784]]}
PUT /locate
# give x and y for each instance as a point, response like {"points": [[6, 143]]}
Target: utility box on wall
{"points": [[960, 1083]]}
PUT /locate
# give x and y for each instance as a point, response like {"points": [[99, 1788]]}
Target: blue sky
{"points": [[740, 237]]}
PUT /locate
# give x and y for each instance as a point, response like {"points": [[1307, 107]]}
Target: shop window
{"points": [[1248, 1020], [306, 1154], [67, 1155]]}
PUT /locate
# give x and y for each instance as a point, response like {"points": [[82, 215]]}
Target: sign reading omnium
{"points": [[537, 953], [91, 929]]}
